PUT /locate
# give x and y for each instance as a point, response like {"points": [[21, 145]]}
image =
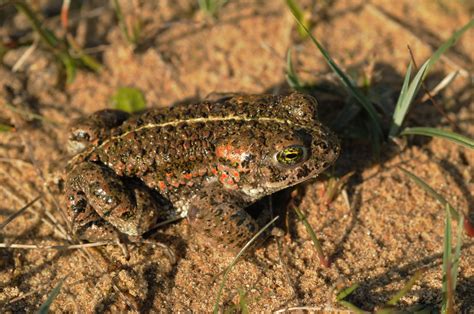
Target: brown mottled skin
{"points": [[208, 161]]}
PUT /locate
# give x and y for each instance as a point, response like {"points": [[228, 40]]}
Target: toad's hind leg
{"points": [[93, 189], [221, 217]]}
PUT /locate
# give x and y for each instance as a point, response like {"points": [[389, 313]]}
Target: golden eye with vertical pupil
{"points": [[291, 155]]}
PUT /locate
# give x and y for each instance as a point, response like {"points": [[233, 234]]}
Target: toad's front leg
{"points": [[97, 198], [221, 217]]}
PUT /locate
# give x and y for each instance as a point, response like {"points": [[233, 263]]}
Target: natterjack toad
{"points": [[207, 161]]}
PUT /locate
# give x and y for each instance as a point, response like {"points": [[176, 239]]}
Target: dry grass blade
{"points": [[18, 213], [448, 79], [51, 222], [58, 47], [430, 96], [234, 261], [335, 187], [389, 18], [54, 247], [25, 56], [65, 13], [309, 309]]}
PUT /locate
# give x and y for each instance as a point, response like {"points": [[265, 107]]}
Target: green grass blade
{"points": [[406, 98], [319, 249], [299, 14], [432, 192], [400, 294], [44, 308], [128, 99], [70, 66], [6, 128], [243, 302], [447, 135], [296, 10], [291, 77], [349, 85], [234, 261], [457, 251], [399, 113], [344, 293], [447, 250], [86, 60], [48, 37], [406, 83], [31, 115], [449, 43], [211, 7], [122, 24]]}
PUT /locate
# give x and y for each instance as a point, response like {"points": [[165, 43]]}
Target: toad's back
{"points": [[175, 150]]}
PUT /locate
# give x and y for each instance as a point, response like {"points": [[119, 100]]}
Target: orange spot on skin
{"points": [[228, 179], [162, 185], [221, 151], [188, 176], [175, 183], [235, 175], [230, 153]]}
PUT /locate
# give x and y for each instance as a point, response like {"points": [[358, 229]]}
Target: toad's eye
{"points": [[291, 155], [80, 135]]}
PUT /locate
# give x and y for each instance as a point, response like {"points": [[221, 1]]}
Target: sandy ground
{"points": [[385, 228]]}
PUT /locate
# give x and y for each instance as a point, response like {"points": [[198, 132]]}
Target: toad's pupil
{"points": [[290, 155]]}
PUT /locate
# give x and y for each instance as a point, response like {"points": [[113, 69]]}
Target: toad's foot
{"points": [[96, 197]]}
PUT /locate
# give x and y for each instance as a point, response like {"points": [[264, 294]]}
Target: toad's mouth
{"points": [[255, 193]]}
